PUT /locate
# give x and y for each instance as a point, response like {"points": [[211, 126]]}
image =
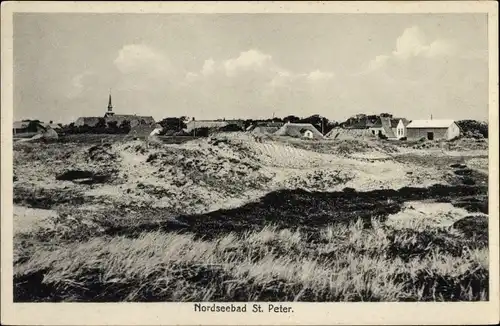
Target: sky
{"points": [[211, 66]]}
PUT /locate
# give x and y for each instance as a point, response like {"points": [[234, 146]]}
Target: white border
{"points": [[304, 313]]}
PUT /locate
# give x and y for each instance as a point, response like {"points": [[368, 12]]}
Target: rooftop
{"points": [[430, 124]]}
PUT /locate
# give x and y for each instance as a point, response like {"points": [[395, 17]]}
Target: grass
{"points": [[346, 263]]}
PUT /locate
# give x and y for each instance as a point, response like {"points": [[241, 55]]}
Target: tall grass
{"points": [[346, 263]]}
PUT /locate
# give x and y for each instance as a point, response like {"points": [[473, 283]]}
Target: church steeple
{"points": [[110, 106]]}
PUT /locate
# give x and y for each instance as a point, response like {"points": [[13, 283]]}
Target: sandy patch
{"points": [[416, 214], [30, 219]]}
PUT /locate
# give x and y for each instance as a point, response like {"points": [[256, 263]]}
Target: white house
{"points": [[432, 129], [401, 128], [308, 134]]}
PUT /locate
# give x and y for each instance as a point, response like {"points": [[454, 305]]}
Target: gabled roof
{"points": [[205, 124], [377, 124], [387, 125], [430, 124], [297, 130], [264, 130], [395, 122], [89, 121], [130, 117]]}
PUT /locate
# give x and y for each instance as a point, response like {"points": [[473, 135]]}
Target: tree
{"points": [[34, 126], [113, 125], [101, 123], [125, 126], [173, 123], [291, 119], [231, 128]]}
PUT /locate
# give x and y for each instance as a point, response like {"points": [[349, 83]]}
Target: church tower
{"points": [[110, 112]]}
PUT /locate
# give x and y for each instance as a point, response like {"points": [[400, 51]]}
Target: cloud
{"points": [[208, 67], [248, 60], [77, 85], [140, 58], [254, 66], [318, 75], [413, 43]]}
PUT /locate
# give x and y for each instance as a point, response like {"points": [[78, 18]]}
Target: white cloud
{"points": [[248, 60], [77, 85], [318, 75], [138, 58], [413, 43], [254, 65], [208, 67]]}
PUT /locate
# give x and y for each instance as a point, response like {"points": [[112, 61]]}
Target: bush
{"points": [[231, 128]]}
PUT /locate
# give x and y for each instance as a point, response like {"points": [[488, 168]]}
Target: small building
{"points": [[432, 129], [135, 120], [19, 127], [32, 127], [383, 126], [306, 133], [52, 125], [212, 124], [299, 130], [88, 121], [264, 130]]}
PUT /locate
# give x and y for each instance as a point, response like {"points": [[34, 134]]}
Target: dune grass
{"points": [[345, 263]]}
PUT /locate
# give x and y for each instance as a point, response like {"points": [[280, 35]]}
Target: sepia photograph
{"points": [[245, 162]]}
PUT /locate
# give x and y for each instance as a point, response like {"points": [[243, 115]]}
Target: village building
{"points": [[264, 130], [299, 130], [432, 129], [23, 127], [19, 127], [212, 124], [383, 126], [388, 127], [52, 125], [111, 117], [265, 127]]}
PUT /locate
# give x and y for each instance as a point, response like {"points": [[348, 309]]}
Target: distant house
{"points": [[306, 133], [265, 127], [24, 127], [382, 126], [143, 130], [299, 130], [212, 124], [432, 129], [135, 120], [52, 125], [388, 127], [89, 121], [263, 130], [19, 127]]}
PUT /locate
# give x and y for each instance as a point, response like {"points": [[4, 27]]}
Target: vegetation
{"points": [[101, 127], [473, 128], [344, 263]]}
